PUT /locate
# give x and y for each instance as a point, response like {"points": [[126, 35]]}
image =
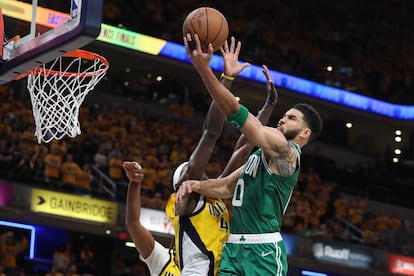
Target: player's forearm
{"points": [[133, 204], [239, 155], [226, 101], [214, 122], [227, 83], [219, 187], [243, 146], [266, 112], [215, 188]]}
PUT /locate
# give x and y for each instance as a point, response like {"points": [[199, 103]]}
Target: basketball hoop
{"points": [[57, 90]]}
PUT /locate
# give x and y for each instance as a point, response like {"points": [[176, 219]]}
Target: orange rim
{"points": [[83, 54]]}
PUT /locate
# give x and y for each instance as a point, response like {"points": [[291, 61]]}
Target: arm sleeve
{"points": [[157, 260]]}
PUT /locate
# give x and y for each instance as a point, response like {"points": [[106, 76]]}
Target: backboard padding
{"points": [[45, 47], [1, 32]]}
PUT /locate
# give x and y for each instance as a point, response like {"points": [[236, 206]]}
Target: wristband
{"points": [[239, 117], [224, 76], [270, 102]]}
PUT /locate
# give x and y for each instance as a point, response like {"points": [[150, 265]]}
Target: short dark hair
{"points": [[311, 118]]}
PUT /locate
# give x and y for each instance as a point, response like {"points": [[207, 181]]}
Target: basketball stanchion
{"points": [[57, 90]]}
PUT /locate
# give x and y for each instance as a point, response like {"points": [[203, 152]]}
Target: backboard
{"points": [[50, 33]]}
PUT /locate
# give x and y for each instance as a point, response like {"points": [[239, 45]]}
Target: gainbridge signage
{"points": [[73, 206]]}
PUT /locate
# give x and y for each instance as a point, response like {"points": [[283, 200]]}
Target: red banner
{"points": [[401, 264]]}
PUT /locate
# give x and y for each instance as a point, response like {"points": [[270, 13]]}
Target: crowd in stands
{"points": [[297, 37], [66, 260], [159, 142], [69, 262], [367, 43], [12, 249]]}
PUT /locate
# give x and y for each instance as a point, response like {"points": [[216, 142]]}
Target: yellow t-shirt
{"points": [[52, 171], [70, 172]]}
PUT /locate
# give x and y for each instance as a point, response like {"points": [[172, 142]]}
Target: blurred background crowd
{"points": [[302, 38], [357, 39], [365, 47]]}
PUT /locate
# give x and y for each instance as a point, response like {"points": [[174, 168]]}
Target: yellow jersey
{"points": [[207, 227]]}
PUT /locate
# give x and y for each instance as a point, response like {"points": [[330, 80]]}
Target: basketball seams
{"points": [[210, 25], [218, 32], [207, 27]]}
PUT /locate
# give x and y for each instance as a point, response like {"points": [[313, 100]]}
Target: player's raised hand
{"points": [[199, 59], [272, 94], [186, 188], [133, 171], [232, 66]]}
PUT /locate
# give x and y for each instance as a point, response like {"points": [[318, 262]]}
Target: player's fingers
{"points": [[222, 50], [226, 46], [190, 42], [237, 50], [186, 187], [191, 45], [232, 44], [191, 187], [267, 76], [186, 45], [245, 64], [210, 50], [178, 197], [197, 43]]}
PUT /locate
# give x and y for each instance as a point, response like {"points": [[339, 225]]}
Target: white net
{"points": [[57, 90]]}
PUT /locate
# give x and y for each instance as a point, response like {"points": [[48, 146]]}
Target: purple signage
{"points": [[6, 191]]}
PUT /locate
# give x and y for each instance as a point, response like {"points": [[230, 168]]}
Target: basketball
{"points": [[209, 24]]}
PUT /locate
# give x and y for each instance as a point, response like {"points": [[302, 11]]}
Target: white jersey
{"points": [[157, 260]]}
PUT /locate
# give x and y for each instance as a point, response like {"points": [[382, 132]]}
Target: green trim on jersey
{"points": [[261, 197]]}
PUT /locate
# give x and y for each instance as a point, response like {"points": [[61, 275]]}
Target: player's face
{"points": [[291, 124]]}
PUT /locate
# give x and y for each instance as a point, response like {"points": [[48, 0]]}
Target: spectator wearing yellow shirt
{"points": [[341, 206], [9, 252], [151, 177], [85, 179], [356, 210], [395, 222], [164, 175], [70, 172], [53, 160], [115, 172], [115, 167]]}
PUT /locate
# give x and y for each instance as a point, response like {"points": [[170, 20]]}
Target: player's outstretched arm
{"points": [[214, 121], [243, 147], [214, 188], [212, 126], [143, 239], [265, 137], [201, 61]]}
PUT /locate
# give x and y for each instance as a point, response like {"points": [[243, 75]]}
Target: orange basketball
{"points": [[209, 24]]}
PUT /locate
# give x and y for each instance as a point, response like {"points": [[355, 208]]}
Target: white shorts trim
{"points": [[255, 238]]}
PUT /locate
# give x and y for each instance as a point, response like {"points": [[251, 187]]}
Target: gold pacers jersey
{"points": [[171, 269], [208, 228]]}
